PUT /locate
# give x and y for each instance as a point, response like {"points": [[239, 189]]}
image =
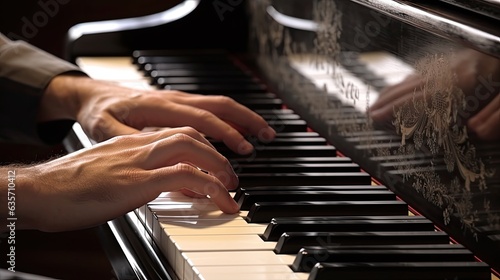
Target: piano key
{"points": [[281, 125], [161, 80], [212, 243], [291, 179], [308, 134], [289, 160], [264, 211], [297, 167], [143, 59], [150, 68], [249, 197], [217, 88], [292, 242], [275, 112], [277, 227], [247, 272], [285, 151], [281, 141], [308, 257], [259, 103], [401, 270], [233, 258], [281, 117], [241, 190], [203, 73]]}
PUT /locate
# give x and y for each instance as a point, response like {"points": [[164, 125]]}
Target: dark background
{"points": [[78, 254]]}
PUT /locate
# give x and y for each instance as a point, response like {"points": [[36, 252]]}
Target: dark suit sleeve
{"points": [[25, 72]]}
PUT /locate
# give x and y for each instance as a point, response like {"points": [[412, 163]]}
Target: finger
{"points": [[485, 113], [185, 176], [182, 148], [233, 112], [167, 132], [211, 125], [485, 124], [192, 194], [388, 95], [107, 127], [386, 111]]}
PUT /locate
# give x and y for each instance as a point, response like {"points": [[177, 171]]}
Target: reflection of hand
{"points": [[94, 185], [486, 124], [475, 76], [106, 110]]}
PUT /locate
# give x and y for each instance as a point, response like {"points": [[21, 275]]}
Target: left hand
{"points": [[106, 110]]}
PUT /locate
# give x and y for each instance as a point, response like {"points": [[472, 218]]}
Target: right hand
{"points": [[92, 186]]}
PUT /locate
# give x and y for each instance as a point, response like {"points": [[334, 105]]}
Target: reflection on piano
{"points": [[307, 213]]}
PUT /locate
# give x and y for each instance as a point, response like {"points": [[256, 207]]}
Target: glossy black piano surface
{"points": [[328, 61]]}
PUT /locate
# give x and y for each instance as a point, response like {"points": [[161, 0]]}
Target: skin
{"points": [[94, 185], [472, 69]]}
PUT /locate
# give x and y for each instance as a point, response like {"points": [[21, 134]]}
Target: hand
{"points": [[105, 110], [477, 75], [486, 123], [91, 186]]}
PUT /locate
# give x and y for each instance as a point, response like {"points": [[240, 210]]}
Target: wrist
{"points": [[61, 98]]}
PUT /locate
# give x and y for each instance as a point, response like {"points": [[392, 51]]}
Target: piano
{"points": [[340, 194]]}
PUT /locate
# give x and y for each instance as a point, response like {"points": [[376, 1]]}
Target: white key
{"points": [[246, 261]]}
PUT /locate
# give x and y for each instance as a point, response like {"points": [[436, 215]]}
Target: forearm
{"points": [[17, 197], [25, 73]]}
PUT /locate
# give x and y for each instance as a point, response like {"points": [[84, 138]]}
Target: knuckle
{"points": [[203, 114], [185, 170], [181, 139], [225, 100], [189, 131]]}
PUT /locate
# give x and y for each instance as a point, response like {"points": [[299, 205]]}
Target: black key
{"points": [[292, 242], [241, 190], [341, 218], [297, 167], [165, 80], [203, 73], [402, 270], [263, 212], [285, 151], [276, 227], [151, 67], [289, 160], [297, 134], [308, 257], [218, 88], [261, 95], [288, 125], [447, 246], [303, 141], [290, 179], [281, 117], [142, 60], [250, 197], [261, 103], [275, 112]]}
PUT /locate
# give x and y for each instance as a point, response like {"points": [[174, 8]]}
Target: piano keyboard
{"points": [[305, 213]]}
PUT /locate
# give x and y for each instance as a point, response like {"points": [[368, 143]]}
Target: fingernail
{"points": [[472, 123], [245, 148], [267, 134], [375, 114], [236, 207]]}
